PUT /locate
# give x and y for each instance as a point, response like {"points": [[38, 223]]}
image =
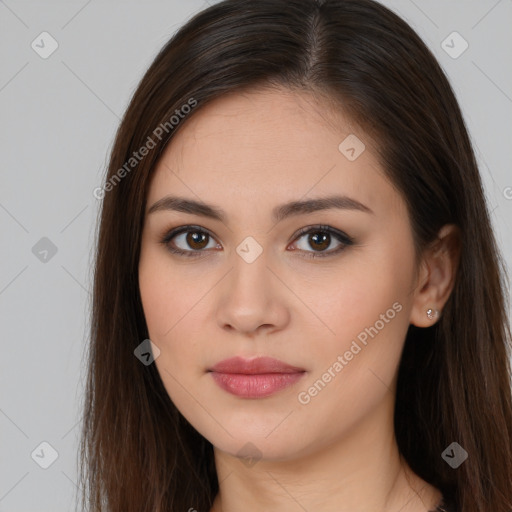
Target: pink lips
{"points": [[254, 378]]}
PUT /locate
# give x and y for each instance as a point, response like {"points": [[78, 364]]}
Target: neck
{"points": [[361, 472]]}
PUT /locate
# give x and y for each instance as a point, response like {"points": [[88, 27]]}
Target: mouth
{"points": [[255, 378]]}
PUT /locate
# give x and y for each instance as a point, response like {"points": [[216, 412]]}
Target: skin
{"points": [[247, 153]]}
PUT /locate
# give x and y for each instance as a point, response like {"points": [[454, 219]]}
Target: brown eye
{"points": [[193, 241], [319, 241], [188, 241], [196, 239], [319, 238]]}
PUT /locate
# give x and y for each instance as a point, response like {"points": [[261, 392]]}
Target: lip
{"points": [[255, 378], [257, 365]]}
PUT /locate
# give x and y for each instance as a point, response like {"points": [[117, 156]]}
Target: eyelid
{"points": [[339, 235], [174, 232], [323, 228]]}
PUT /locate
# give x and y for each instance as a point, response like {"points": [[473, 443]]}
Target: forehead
{"points": [[254, 150]]}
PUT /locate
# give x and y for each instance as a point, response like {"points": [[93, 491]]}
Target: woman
{"points": [[298, 297]]}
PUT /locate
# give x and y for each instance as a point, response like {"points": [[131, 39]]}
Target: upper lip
{"points": [[258, 365]]}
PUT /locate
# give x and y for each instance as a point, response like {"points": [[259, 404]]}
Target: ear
{"points": [[436, 276]]}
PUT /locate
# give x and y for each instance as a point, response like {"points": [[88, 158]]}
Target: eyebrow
{"points": [[279, 213]]}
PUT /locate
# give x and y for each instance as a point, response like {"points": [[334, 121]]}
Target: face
{"points": [[325, 288]]}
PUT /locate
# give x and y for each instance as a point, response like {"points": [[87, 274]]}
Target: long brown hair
{"points": [[138, 453]]}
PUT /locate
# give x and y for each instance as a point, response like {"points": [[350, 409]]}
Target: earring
{"points": [[432, 314]]}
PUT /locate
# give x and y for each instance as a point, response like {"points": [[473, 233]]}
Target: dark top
{"points": [[443, 507]]}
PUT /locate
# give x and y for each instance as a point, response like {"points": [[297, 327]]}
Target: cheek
{"points": [[158, 298], [359, 292], [173, 305], [365, 306], [169, 315], [166, 293]]}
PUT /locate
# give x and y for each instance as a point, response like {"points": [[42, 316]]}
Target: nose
{"points": [[252, 299]]}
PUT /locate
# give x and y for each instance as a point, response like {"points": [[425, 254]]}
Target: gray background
{"points": [[59, 116]]}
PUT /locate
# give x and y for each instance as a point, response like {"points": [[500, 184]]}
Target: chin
{"points": [[254, 441]]}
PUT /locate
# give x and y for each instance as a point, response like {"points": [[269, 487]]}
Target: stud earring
{"points": [[432, 314]]}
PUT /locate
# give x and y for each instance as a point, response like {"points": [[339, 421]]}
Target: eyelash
{"points": [[343, 238]]}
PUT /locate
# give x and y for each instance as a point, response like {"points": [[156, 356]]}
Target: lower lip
{"points": [[255, 386]]}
